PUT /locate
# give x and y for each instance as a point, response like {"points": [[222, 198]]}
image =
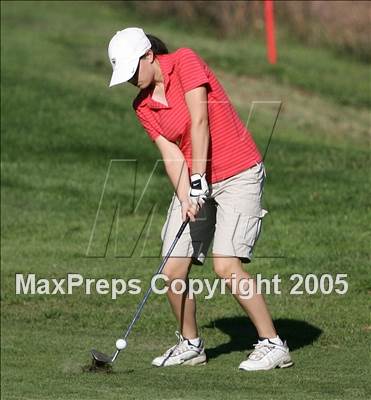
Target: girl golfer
{"points": [[218, 176]]}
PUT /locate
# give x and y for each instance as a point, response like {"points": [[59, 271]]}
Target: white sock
{"points": [[276, 340], [195, 342]]}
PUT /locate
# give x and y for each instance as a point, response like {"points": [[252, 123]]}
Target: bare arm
{"points": [[196, 100], [175, 165], [177, 170]]}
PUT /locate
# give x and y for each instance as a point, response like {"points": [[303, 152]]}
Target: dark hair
{"points": [[158, 46]]}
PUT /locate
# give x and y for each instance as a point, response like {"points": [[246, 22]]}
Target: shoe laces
{"points": [[183, 345], [261, 349], [174, 349]]}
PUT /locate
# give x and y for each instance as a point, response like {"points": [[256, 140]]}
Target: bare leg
{"points": [[183, 307], [255, 306]]}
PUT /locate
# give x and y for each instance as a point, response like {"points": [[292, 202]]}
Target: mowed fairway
{"points": [[60, 128]]}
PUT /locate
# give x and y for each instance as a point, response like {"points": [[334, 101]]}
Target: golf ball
{"points": [[120, 344]]}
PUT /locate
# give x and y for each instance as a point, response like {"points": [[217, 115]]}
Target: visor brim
{"points": [[123, 72]]}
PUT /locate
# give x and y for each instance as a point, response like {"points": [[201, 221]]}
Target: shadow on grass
{"points": [[243, 334]]}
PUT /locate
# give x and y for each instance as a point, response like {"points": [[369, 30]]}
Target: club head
{"points": [[101, 359]]}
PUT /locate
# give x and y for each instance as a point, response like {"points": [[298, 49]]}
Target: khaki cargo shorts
{"points": [[231, 216]]}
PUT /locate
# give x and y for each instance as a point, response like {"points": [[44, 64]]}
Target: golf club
{"points": [[101, 359]]}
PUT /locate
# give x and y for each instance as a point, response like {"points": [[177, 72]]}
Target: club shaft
{"points": [[149, 290]]}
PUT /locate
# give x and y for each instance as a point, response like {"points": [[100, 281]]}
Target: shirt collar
{"points": [[167, 65]]}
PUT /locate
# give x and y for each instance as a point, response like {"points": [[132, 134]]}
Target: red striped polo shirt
{"points": [[231, 147]]}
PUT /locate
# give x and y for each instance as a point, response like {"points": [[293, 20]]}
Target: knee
{"points": [[176, 269], [224, 266]]}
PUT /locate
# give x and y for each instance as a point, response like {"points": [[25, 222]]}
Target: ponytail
{"points": [[158, 46]]}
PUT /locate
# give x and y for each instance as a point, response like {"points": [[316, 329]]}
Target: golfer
{"points": [[218, 176]]}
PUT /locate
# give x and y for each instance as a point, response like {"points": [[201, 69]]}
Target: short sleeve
{"points": [[192, 70], [150, 126]]}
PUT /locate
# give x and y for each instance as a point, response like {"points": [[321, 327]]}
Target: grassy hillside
{"points": [[60, 128]]}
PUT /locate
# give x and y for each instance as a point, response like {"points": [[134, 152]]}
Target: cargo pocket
{"points": [[253, 228], [248, 231]]}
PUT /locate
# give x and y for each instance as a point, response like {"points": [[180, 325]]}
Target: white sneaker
{"points": [[183, 353], [267, 355]]}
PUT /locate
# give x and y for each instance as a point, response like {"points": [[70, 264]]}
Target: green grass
{"points": [[60, 128]]}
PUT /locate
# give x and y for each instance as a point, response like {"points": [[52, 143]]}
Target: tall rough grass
{"points": [[342, 25]]}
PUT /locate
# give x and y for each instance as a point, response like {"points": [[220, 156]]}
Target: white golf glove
{"points": [[199, 189]]}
